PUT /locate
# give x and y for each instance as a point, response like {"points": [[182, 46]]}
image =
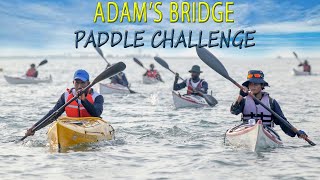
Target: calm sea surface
{"points": [[153, 139]]}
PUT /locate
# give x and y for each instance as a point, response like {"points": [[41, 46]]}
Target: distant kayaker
{"points": [[153, 73], [120, 78], [306, 66], [32, 72], [251, 110], [89, 104], [194, 84]]}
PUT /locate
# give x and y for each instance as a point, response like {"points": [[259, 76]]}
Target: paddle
{"points": [[101, 54], [45, 61], [112, 70], [295, 54], [209, 99], [216, 65], [139, 63]]}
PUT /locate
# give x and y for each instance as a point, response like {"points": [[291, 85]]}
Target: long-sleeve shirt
{"points": [[177, 86], [117, 80], [238, 108], [94, 110]]}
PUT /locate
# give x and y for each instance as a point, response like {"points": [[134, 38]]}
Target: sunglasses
{"points": [[254, 75]]}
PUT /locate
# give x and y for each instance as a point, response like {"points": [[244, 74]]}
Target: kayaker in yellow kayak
{"points": [[32, 71], [153, 73], [255, 84], [193, 84], [89, 104]]}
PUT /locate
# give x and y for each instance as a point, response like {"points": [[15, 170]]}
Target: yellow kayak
{"points": [[67, 131]]}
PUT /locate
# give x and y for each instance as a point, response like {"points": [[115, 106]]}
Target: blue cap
{"points": [[81, 74]]}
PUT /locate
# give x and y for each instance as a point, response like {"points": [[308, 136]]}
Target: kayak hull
{"points": [[253, 137], [67, 132], [27, 80], [111, 88], [188, 101], [149, 80], [300, 73]]}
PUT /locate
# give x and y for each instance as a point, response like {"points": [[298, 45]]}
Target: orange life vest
{"points": [[31, 72], [76, 109], [152, 73]]}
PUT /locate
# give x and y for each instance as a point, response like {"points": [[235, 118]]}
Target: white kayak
{"points": [[253, 137], [27, 80], [301, 73], [111, 88], [149, 80], [183, 101]]}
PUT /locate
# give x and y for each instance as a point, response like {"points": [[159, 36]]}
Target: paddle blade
{"points": [[45, 61], [101, 54], [99, 51], [162, 62], [295, 54], [213, 62], [112, 70], [138, 62], [210, 100]]}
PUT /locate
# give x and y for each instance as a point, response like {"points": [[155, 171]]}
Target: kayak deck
{"points": [[184, 101], [253, 137], [66, 131]]}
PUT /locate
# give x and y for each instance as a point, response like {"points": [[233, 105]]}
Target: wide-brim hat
{"points": [[195, 69], [255, 76]]}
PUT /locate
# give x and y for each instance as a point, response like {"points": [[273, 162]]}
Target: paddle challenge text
{"points": [[185, 12]]}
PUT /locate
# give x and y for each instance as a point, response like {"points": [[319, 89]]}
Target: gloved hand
{"points": [[243, 94], [30, 132], [176, 77], [302, 134]]}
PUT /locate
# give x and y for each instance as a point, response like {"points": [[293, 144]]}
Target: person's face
{"points": [[79, 84], [195, 75], [255, 88], [151, 67]]}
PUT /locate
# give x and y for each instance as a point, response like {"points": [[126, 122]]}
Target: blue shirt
{"points": [[238, 108], [94, 110], [117, 80]]}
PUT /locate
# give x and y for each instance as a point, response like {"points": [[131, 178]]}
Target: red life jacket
{"points": [[152, 73], [31, 72], [76, 109], [306, 68], [191, 85]]}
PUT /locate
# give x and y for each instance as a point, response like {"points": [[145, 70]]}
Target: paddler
{"points": [[153, 73], [306, 66], [255, 84], [89, 104], [32, 72], [193, 84], [120, 78]]}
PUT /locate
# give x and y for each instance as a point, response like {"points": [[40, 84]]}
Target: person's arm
{"points": [[285, 129], [177, 86], [96, 108], [204, 87], [36, 74], [125, 80], [237, 107], [59, 103], [145, 73]]}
